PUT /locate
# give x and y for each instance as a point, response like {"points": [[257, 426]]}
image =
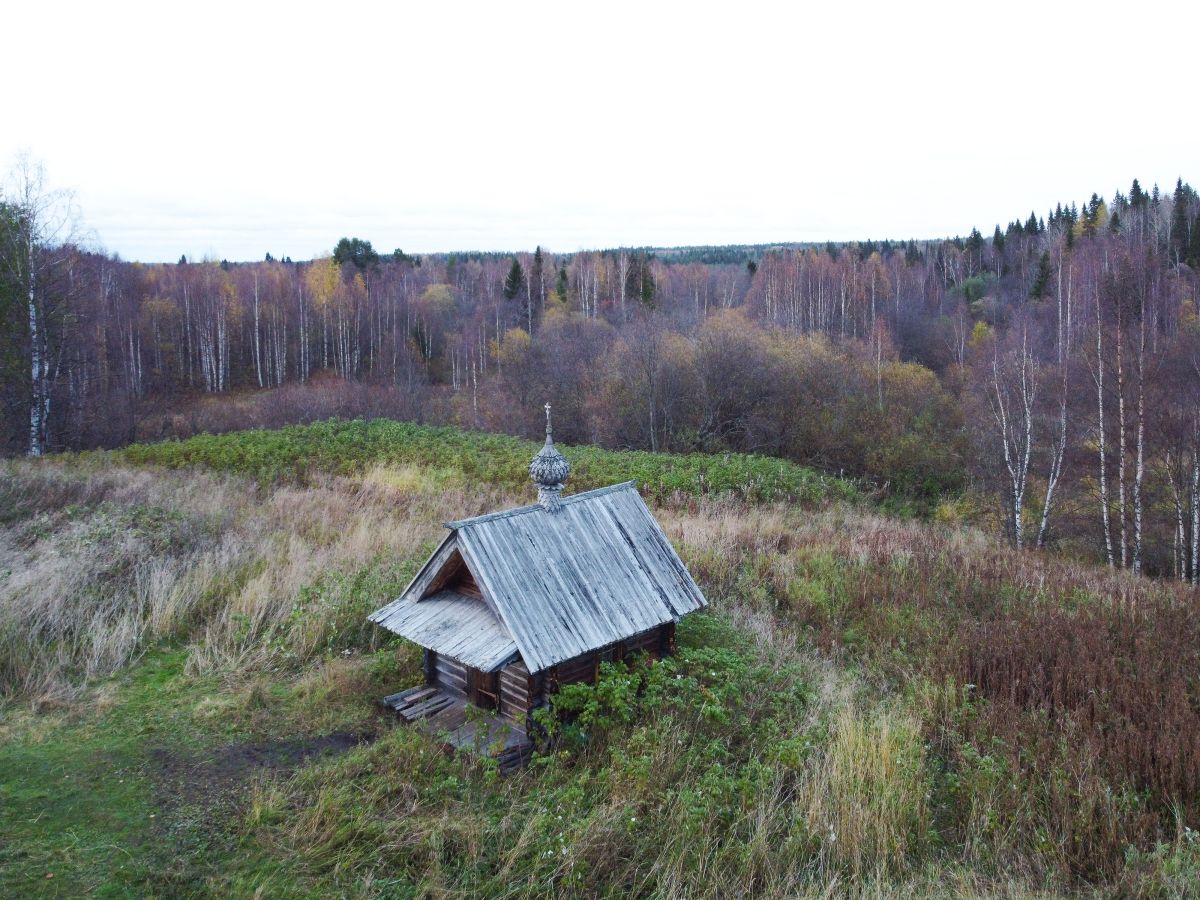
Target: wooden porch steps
{"points": [[446, 717], [406, 697]]}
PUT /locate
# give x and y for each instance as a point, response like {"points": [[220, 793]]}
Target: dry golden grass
{"points": [[868, 792], [99, 561]]}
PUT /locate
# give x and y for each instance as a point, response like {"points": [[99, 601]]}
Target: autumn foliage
{"points": [[1041, 382]]}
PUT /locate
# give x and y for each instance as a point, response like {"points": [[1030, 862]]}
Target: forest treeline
{"points": [[1053, 366]]}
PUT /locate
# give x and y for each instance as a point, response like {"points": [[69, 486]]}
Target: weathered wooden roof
{"points": [[463, 628], [594, 571]]}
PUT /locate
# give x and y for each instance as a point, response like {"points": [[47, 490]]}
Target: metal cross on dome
{"points": [[549, 470]]}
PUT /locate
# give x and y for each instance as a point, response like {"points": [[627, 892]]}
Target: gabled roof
{"points": [[594, 571]]}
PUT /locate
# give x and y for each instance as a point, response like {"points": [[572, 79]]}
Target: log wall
{"points": [[521, 692], [655, 643], [451, 675], [516, 692]]}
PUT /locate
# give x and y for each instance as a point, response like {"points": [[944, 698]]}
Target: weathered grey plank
{"points": [[426, 708], [408, 697], [453, 625]]}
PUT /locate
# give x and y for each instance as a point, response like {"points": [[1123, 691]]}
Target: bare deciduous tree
{"points": [[36, 255], [1012, 397]]}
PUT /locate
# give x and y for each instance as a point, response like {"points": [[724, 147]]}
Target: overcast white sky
{"points": [[234, 129]]}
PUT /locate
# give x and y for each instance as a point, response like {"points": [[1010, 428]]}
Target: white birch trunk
{"points": [[258, 370], [1059, 447], [1194, 571], [1122, 457], [37, 362], [1101, 439], [1016, 435], [1140, 463]]}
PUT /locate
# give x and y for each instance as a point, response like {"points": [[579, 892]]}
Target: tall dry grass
{"points": [[868, 792], [97, 561]]}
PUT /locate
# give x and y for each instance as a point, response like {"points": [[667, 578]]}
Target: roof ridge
{"points": [[534, 507]]}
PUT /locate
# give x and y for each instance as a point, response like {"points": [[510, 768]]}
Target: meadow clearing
{"points": [[189, 692]]}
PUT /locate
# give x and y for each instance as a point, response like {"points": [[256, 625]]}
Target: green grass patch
{"points": [[78, 811], [140, 793], [176, 785]]}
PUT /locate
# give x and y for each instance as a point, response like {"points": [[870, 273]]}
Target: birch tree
{"points": [[1012, 395], [36, 256], [1102, 437], [1058, 447]]}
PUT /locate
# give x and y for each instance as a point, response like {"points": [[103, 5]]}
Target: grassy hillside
{"points": [[468, 458], [870, 706]]}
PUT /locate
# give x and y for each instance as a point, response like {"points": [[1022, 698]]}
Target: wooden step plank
{"points": [[437, 713], [423, 694], [437, 700], [429, 707], [446, 720], [413, 698], [407, 694], [425, 710]]}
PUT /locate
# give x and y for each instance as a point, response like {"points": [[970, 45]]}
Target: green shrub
{"points": [[341, 448]]}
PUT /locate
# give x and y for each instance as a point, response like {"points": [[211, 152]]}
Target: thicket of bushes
{"points": [[486, 459]]}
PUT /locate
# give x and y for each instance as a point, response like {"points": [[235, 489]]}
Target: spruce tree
{"points": [[1179, 221], [1137, 197], [1042, 280], [975, 248], [537, 276], [515, 282], [647, 287]]}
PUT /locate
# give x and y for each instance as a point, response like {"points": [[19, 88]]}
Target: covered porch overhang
{"points": [[454, 625]]}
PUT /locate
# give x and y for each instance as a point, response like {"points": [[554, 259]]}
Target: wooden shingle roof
{"points": [[594, 570]]}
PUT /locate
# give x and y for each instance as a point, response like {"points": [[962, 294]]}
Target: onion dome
{"points": [[549, 470]]}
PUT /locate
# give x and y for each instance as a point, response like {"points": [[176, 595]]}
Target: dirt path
{"points": [[214, 782]]}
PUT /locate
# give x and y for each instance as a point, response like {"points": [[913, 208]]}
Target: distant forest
{"points": [[1052, 367]]}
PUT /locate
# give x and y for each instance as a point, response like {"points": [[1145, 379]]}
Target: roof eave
{"points": [[379, 613]]}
